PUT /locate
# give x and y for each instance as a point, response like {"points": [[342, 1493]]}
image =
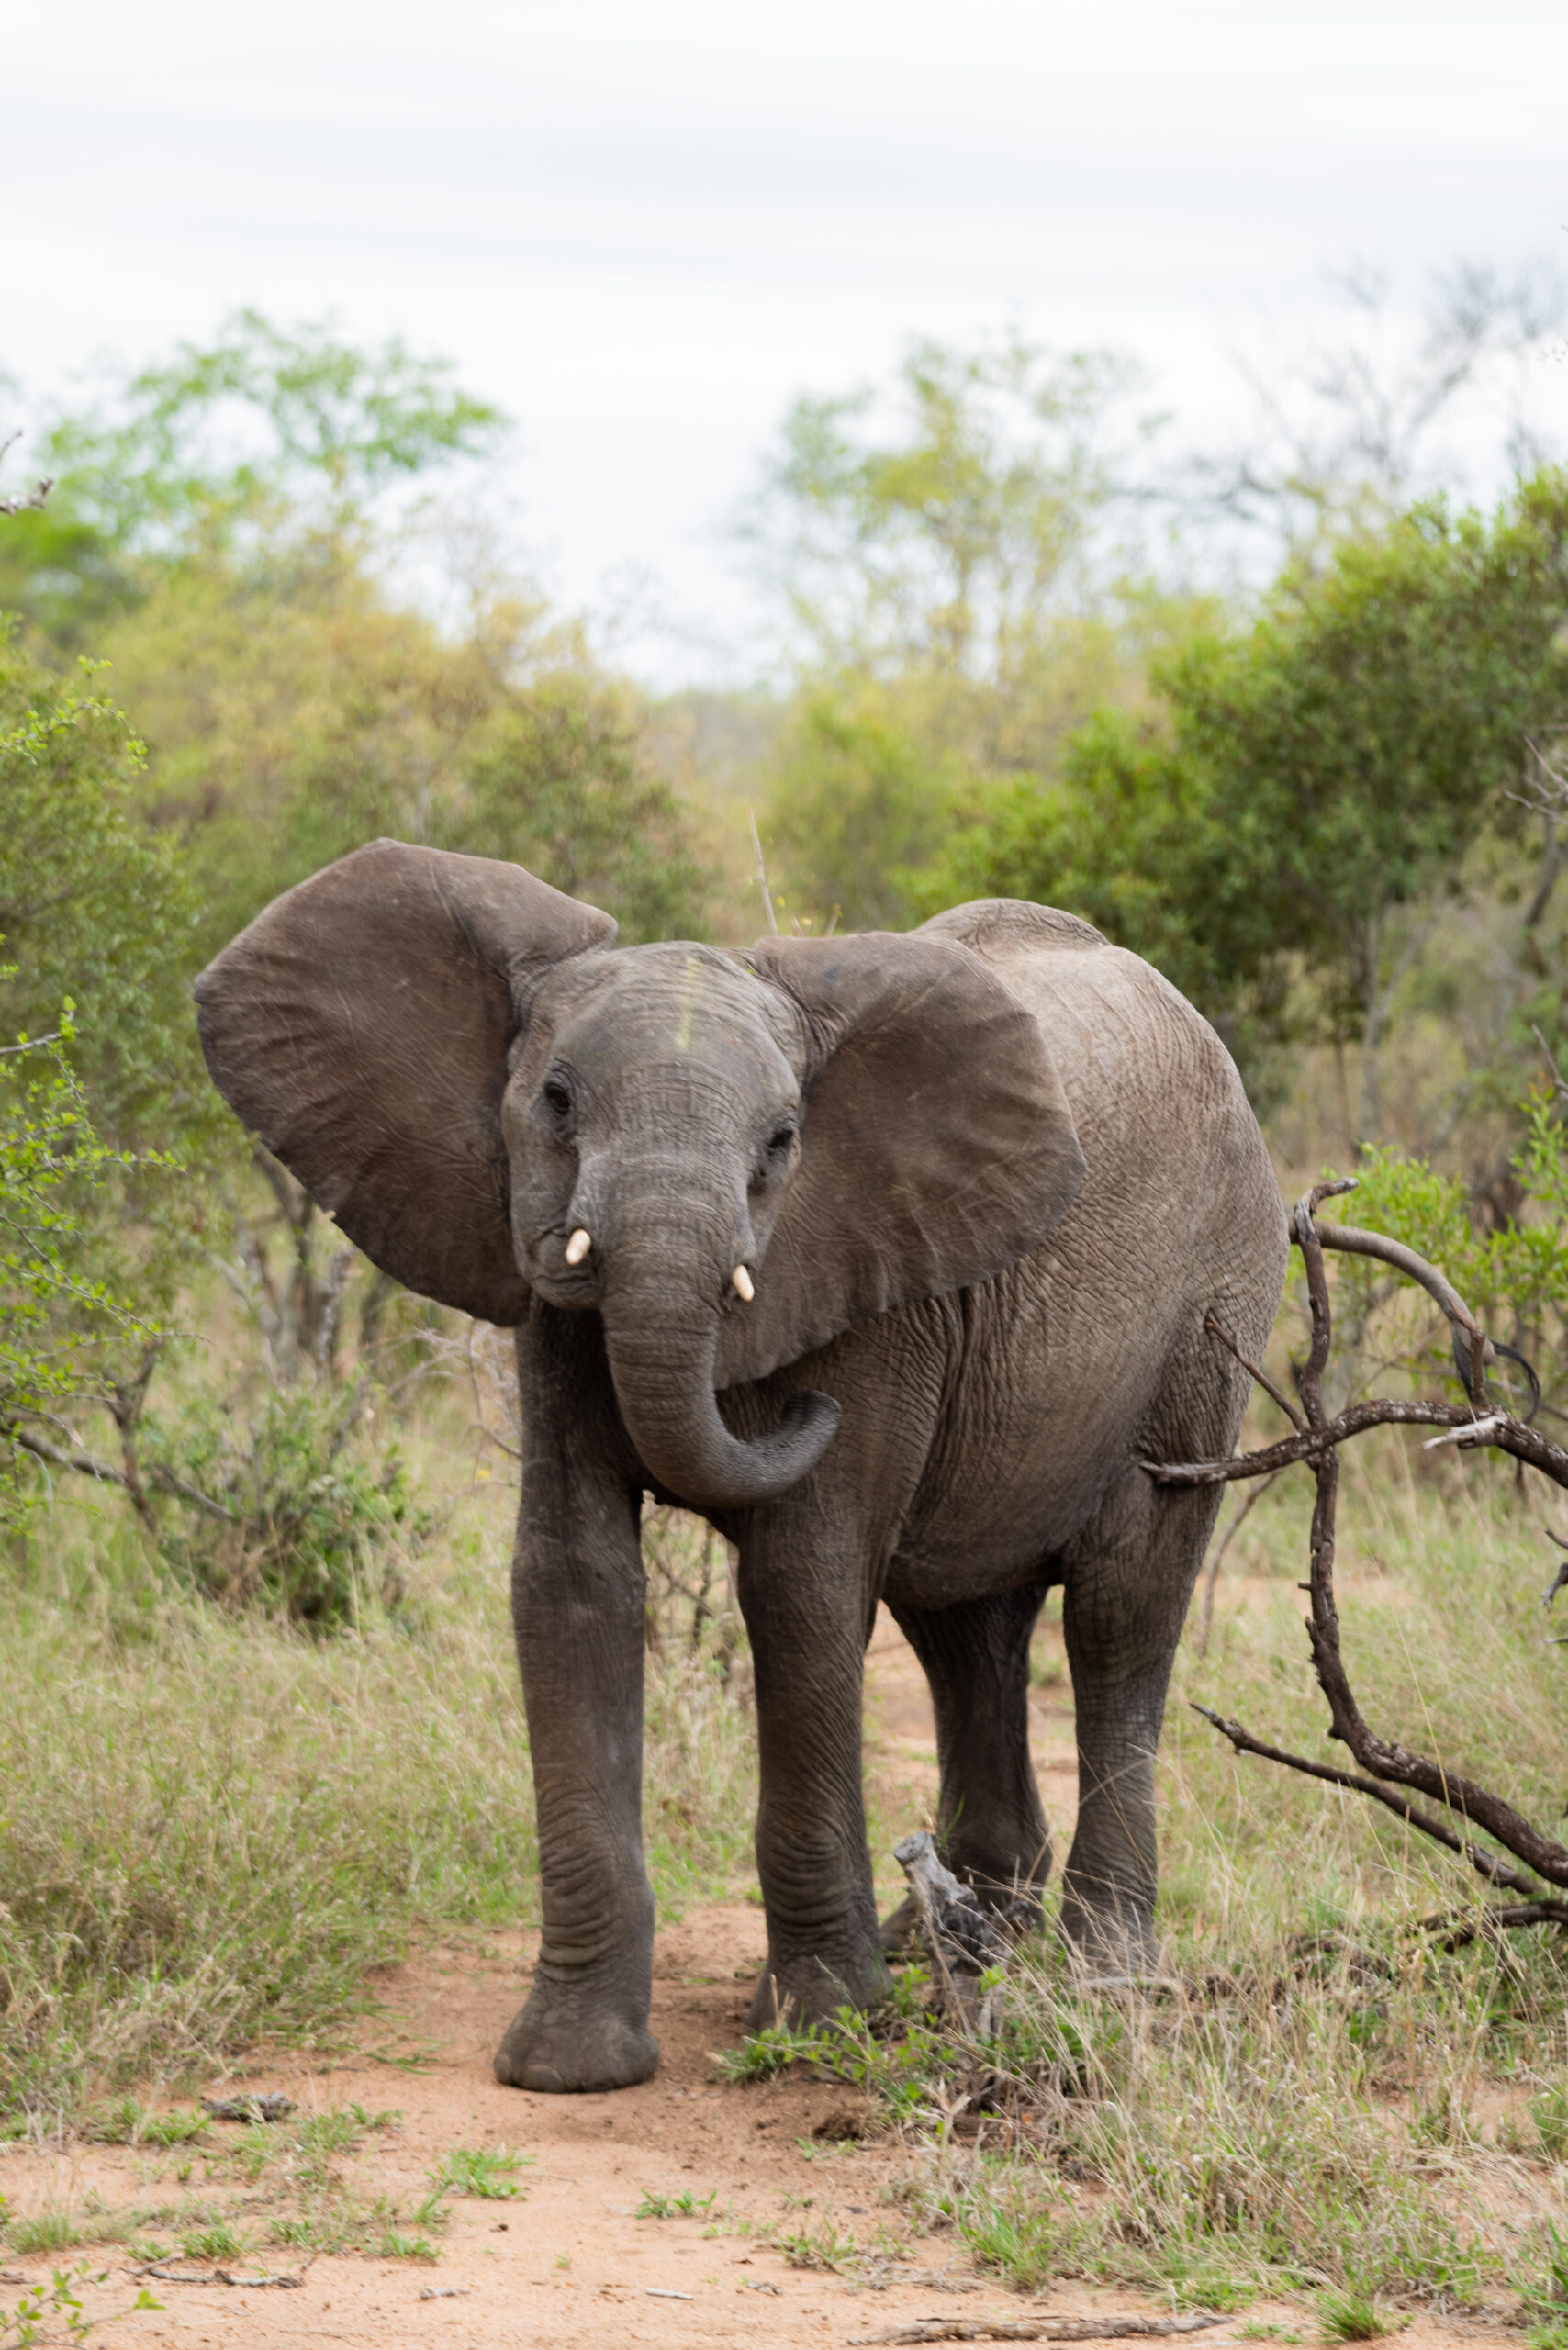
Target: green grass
{"points": [[1303, 2116], [490, 2173], [1352, 2316], [217, 2241], [52, 2231], [129, 2122], [684, 2206], [215, 1826]]}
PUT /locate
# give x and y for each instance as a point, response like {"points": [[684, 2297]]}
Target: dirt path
{"points": [[568, 2263]]}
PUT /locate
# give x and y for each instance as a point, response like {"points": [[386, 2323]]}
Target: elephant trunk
{"points": [[662, 1363]]}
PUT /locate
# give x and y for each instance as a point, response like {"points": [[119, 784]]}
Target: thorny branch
{"points": [[1388, 1764]]}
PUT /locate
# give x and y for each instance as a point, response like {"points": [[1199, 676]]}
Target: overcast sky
{"points": [[642, 225]]}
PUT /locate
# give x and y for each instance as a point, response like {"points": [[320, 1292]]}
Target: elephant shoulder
{"points": [[1001, 927]]}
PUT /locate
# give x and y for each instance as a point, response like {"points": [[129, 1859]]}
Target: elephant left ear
{"points": [[936, 1144]]}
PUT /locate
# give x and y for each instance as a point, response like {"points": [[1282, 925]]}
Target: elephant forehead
{"points": [[667, 1007]]}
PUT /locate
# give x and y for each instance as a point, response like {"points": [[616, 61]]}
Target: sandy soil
{"points": [[569, 2262]]}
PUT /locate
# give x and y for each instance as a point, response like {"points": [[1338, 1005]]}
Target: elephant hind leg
{"points": [[1124, 1598], [991, 1827]]}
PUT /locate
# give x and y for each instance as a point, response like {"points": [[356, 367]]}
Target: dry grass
{"points": [[215, 1827], [1328, 2104]]}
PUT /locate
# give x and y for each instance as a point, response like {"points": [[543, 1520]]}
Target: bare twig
{"points": [[84, 1464], [1217, 1329], [762, 876], [87, 1464], [1038, 2328], [1485, 1863], [1456, 1933], [1497, 1429]]}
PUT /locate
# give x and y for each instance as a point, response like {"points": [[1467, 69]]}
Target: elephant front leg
{"points": [[806, 1638], [577, 1606]]}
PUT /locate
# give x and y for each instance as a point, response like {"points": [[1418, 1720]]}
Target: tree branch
{"points": [[1388, 1764], [1485, 1864]]}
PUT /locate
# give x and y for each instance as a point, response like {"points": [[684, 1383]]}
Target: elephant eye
{"points": [[557, 1098]]}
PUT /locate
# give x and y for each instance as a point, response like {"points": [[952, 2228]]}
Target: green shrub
{"points": [[302, 1516]]}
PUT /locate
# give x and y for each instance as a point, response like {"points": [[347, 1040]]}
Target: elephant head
{"points": [[729, 1158]]}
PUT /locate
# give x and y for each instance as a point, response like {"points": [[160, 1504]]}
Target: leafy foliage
{"points": [[1309, 781], [946, 541], [185, 454], [1513, 1275], [560, 787], [62, 1313], [298, 1513], [97, 907]]}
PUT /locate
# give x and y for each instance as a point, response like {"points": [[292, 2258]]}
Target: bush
{"points": [[296, 1512]]}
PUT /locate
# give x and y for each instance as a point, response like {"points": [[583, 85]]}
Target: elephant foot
{"points": [[1111, 1946], [562, 2041], [808, 1990]]}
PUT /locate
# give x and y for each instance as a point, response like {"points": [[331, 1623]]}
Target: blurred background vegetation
{"points": [[261, 616]]}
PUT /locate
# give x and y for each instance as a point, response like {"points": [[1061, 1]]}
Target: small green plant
{"points": [[763, 2054], [54, 2312], [683, 2206], [1020, 2235], [1544, 2290], [1549, 2114], [129, 2122], [1352, 2314], [821, 2247], [395, 2245], [216, 2242], [46, 2232], [311, 1515], [487, 2172]]}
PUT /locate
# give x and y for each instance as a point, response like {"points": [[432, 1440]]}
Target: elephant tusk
{"points": [[579, 1245], [741, 1282]]}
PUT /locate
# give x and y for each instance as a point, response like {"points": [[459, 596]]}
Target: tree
{"points": [[1347, 434], [64, 1319], [265, 426], [561, 787], [858, 804], [946, 542], [1309, 790], [946, 553], [95, 907]]}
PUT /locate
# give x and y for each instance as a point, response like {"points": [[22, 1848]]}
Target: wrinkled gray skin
{"points": [[988, 1179]]}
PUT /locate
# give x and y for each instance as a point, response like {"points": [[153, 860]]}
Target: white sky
{"points": [[643, 225]]}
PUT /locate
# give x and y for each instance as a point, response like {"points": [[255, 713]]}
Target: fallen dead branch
{"points": [[220, 2277], [1388, 1765], [1036, 2329]]}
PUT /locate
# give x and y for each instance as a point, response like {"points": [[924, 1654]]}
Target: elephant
{"points": [[890, 1254]]}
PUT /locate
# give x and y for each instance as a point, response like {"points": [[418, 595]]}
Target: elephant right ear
{"points": [[362, 1025]]}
